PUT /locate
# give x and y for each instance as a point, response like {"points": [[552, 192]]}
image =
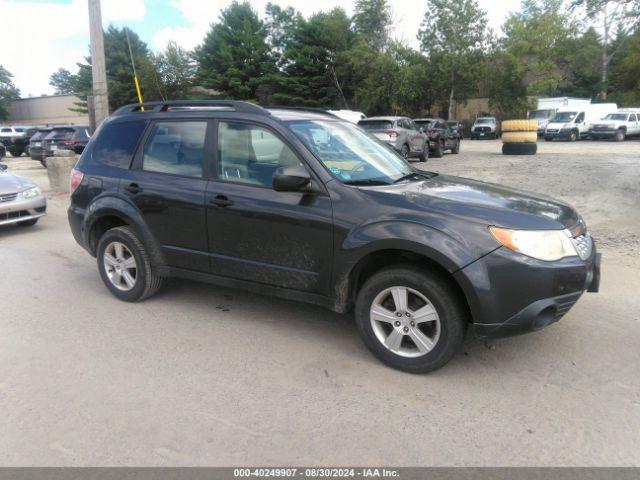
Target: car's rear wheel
{"points": [[438, 149], [456, 148], [410, 319], [404, 151], [125, 266], [424, 156]]}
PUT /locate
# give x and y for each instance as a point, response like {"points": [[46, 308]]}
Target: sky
{"points": [[41, 36]]}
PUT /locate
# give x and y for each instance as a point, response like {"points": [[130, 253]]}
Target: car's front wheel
{"points": [[125, 266], [411, 319]]}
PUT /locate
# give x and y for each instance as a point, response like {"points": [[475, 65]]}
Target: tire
{"points": [[16, 154], [519, 126], [519, 148], [456, 148], [404, 151], [519, 137], [446, 331], [29, 223], [145, 282], [424, 156], [438, 150], [548, 139], [620, 135], [573, 136]]}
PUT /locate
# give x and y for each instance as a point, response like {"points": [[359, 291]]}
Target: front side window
{"points": [[580, 118], [351, 155], [616, 116], [176, 148], [251, 154], [633, 118]]}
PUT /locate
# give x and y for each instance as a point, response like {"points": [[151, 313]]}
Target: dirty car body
{"points": [[322, 213]]}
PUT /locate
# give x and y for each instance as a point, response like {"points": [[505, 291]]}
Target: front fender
{"points": [[116, 205]]}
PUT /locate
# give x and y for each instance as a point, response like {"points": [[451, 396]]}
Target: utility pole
{"points": [[98, 69]]}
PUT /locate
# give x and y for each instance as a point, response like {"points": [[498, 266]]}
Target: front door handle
{"points": [[133, 188], [221, 201]]}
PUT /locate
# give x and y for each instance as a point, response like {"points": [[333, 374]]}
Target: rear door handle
{"points": [[133, 188], [221, 201]]}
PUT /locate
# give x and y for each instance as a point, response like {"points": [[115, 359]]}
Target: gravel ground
{"points": [[205, 376]]}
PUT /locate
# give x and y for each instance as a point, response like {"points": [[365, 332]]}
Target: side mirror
{"points": [[291, 179], [3, 167]]}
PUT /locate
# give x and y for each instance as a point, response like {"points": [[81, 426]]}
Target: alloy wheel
{"points": [[120, 266], [405, 321]]}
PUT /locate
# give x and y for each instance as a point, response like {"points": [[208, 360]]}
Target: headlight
{"points": [[547, 245], [32, 192]]}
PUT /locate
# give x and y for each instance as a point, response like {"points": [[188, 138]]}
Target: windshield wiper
{"points": [[366, 182], [411, 175]]}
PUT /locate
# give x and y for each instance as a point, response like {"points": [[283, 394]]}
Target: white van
{"points": [[573, 124], [548, 107]]}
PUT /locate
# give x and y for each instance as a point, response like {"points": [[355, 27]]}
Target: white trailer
{"points": [[547, 108]]}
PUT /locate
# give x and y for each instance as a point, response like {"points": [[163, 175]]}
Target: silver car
{"points": [[21, 201], [399, 132]]}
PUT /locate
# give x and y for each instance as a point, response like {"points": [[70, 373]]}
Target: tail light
{"points": [[431, 132], [69, 142], [391, 133], [75, 179]]}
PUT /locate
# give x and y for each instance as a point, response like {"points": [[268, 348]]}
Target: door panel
{"points": [[281, 239], [166, 185]]}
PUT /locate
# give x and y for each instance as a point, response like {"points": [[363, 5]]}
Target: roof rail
{"points": [[163, 106]]}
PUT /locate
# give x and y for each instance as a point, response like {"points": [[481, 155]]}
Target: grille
{"points": [[601, 127], [552, 130], [8, 197], [12, 215], [584, 245], [482, 129]]}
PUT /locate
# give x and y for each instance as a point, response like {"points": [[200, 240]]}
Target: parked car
{"points": [[349, 115], [401, 133], [69, 137], [36, 149], [3, 151], [16, 138], [485, 127], [305, 206], [440, 136], [457, 127], [21, 201], [574, 124], [620, 125]]}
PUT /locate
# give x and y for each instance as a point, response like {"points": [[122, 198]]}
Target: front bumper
{"points": [[514, 294], [602, 133], [21, 210]]}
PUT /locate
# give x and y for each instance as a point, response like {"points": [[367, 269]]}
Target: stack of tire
{"points": [[519, 137]]}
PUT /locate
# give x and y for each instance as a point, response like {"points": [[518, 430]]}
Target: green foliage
{"points": [[235, 58], [176, 71], [507, 92], [63, 82], [625, 72], [8, 92], [453, 35], [372, 21]]}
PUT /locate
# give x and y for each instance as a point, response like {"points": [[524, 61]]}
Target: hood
{"points": [[607, 123], [558, 125], [13, 184], [484, 203]]}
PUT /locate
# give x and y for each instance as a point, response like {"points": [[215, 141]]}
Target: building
{"points": [[52, 109]]}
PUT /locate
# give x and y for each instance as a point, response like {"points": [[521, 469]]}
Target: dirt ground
{"points": [[205, 376]]}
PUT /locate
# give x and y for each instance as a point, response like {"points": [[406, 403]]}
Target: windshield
{"points": [[425, 123], [541, 114], [351, 155], [372, 125], [485, 121], [616, 116], [564, 116], [60, 134]]}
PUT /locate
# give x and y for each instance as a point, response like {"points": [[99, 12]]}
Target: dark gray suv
{"points": [[305, 206]]}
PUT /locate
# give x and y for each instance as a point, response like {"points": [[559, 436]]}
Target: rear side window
{"points": [[116, 144], [40, 134], [176, 148], [81, 134]]}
